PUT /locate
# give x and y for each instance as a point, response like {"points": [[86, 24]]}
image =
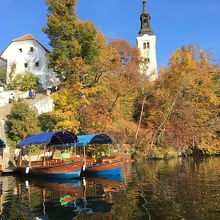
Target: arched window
{"points": [[147, 60], [148, 45], [144, 45]]}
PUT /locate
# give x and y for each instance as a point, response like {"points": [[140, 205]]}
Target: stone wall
{"points": [[6, 96], [44, 105]]}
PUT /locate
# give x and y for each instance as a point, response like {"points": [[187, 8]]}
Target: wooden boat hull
{"points": [[105, 169], [63, 170]]}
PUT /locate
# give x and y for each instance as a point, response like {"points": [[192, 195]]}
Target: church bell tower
{"points": [[146, 42]]}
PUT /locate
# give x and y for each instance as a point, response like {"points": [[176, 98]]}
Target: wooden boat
{"points": [[103, 166], [55, 168]]}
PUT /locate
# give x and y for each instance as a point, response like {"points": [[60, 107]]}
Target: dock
{"points": [[8, 171]]}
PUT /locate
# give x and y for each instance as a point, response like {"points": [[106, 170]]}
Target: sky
{"points": [[176, 23]]}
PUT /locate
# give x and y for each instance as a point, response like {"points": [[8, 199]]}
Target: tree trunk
{"points": [[140, 118], [165, 119]]}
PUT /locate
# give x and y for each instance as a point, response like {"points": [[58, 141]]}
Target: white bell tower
{"points": [[146, 42]]}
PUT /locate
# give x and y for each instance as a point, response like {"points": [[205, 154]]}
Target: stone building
{"points": [[27, 54]]}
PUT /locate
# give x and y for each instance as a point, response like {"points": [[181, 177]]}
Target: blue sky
{"points": [[175, 22]]}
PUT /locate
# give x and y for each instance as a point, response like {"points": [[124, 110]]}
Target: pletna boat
{"points": [[53, 168], [102, 166]]}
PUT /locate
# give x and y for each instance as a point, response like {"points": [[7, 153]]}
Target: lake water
{"points": [[175, 189]]}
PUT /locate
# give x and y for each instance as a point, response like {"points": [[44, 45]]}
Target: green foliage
{"points": [[24, 81], [47, 122], [3, 74], [79, 49], [163, 153], [22, 122]]}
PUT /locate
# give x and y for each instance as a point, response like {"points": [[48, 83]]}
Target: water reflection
{"points": [[176, 189], [34, 198]]}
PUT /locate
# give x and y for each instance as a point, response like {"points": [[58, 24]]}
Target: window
{"points": [[148, 45], [31, 49], [25, 65], [147, 60], [37, 63], [144, 46], [20, 49]]}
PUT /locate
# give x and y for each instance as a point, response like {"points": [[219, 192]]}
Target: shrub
{"points": [[24, 81], [22, 122], [47, 122]]}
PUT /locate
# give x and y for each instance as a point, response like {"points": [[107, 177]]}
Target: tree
{"points": [[111, 107], [183, 109], [22, 122], [79, 50], [24, 81], [47, 122], [80, 57], [3, 74]]}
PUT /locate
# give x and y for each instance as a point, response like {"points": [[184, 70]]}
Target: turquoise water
{"points": [[175, 189]]}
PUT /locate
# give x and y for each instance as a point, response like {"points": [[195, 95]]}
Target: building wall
{"points": [[44, 105], [150, 66], [19, 53]]}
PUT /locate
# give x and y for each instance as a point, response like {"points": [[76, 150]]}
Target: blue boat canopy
{"points": [[51, 138], [85, 140], [2, 143]]}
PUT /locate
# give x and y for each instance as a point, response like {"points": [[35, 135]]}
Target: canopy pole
{"points": [[38, 154], [44, 155], [109, 150], [84, 152], [29, 160], [20, 159]]}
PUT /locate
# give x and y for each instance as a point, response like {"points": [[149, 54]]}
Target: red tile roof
{"points": [[25, 38]]}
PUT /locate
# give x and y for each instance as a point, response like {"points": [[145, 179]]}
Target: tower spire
{"points": [[145, 21], [144, 7]]}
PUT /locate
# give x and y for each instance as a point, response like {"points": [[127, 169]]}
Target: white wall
{"points": [[44, 105], [150, 68], [11, 94], [39, 54]]}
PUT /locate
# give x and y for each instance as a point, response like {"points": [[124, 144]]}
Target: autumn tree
{"points": [[80, 57], [79, 50], [111, 107], [183, 109]]}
